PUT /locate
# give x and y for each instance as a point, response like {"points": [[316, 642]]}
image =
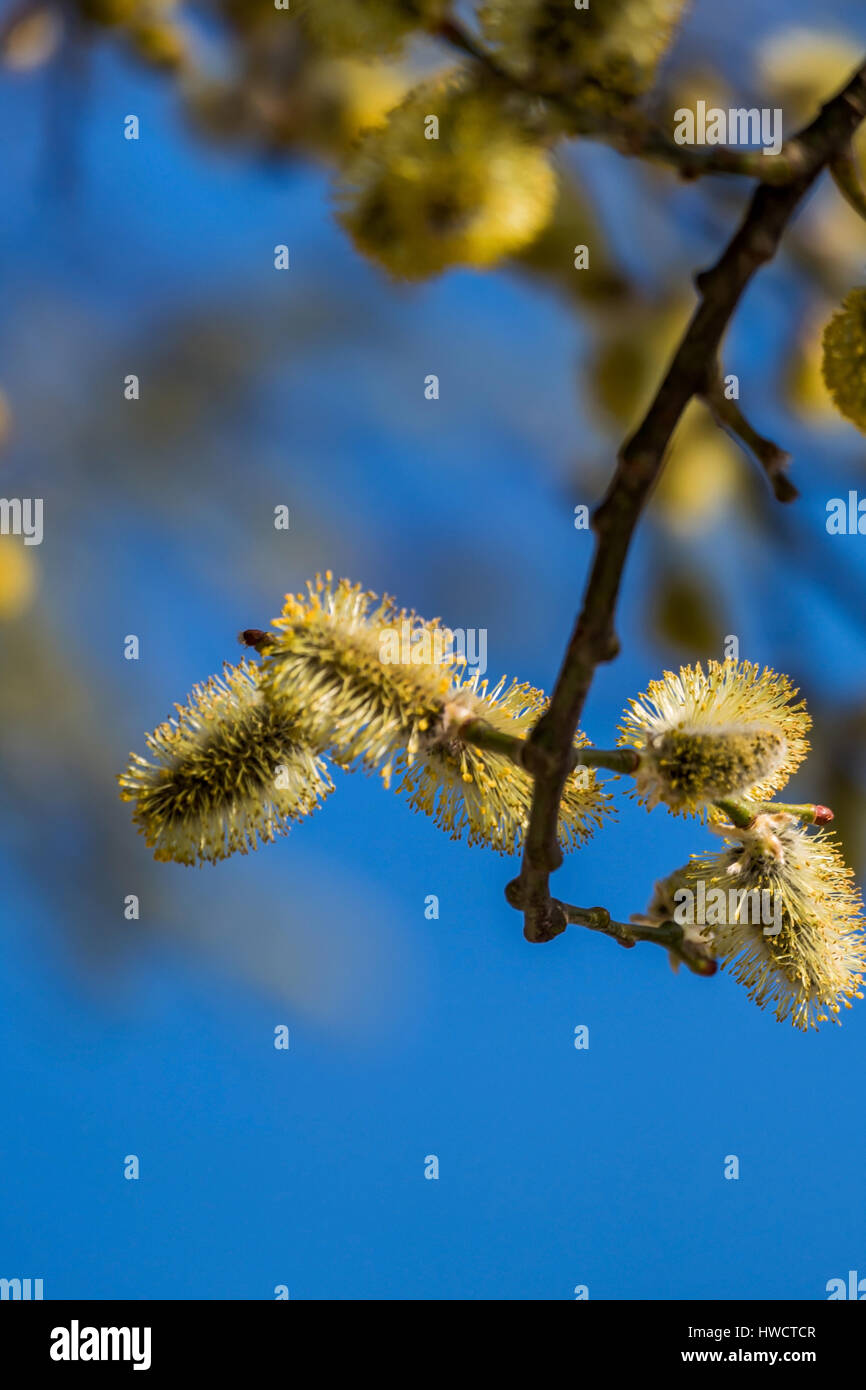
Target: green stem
{"points": [[483, 735], [742, 813], [737, 812], [623, 760], [520, 751]]}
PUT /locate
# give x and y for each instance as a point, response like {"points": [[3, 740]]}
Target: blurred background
{"points": [[409, 1037]]}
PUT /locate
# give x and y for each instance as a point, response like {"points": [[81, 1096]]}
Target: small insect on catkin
{"points": [[228, 773], [702, 736]]}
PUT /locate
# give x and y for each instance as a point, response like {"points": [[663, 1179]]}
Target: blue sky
{"points": [[409, 1037]]}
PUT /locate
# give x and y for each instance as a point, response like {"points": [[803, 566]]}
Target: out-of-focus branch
{"points": [[772, 459], [846, 176]]}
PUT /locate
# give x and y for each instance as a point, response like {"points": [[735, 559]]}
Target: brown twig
{"points": [[696, 955], [593, 639], [729, 417]]}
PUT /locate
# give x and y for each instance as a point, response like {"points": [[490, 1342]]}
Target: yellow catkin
{"points": [[481, 796], [602, 55], [369, 680], [794, 938], [844, 358], [225, 775], [730, 731]]}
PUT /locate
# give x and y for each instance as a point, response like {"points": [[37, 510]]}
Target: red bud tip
{"points": [[823, 815]]}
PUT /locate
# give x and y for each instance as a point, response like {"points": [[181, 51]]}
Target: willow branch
{"points": [[593, 639], [671, 935], [697, 957]]}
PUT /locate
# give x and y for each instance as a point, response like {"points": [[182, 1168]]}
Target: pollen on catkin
{"points": [[806, 956], [844, 358], [603, 54], [480, 796], [228, 773], [367, 679], [731, 731], [367, 26], [418, 198]]}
